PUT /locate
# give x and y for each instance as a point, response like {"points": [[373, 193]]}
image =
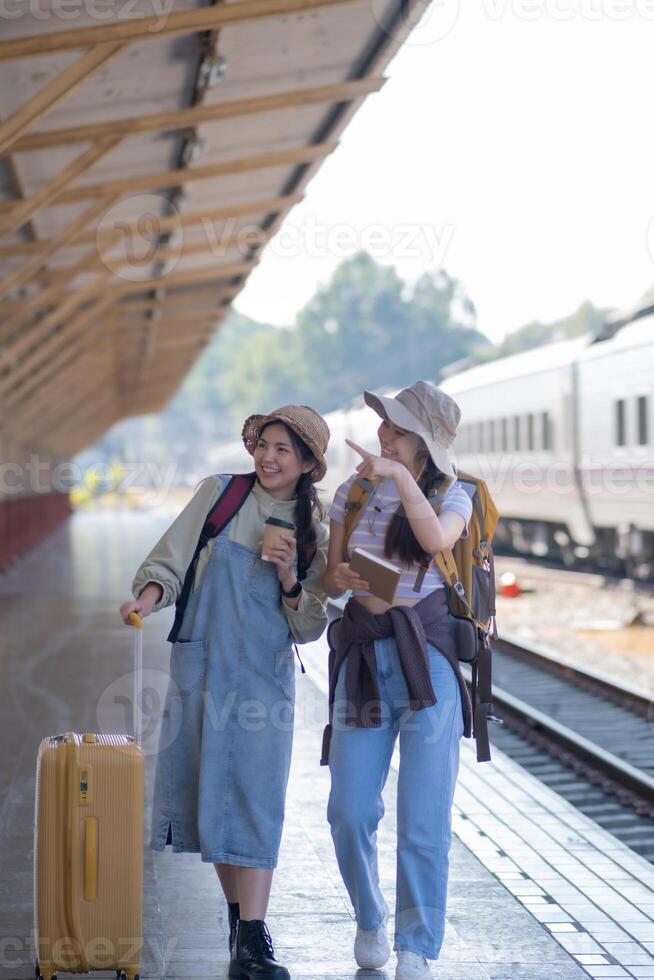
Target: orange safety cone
{"points": [[509, 586]]}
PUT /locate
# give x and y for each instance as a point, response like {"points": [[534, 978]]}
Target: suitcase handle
{"points": [[91, 859], [136, 621]]}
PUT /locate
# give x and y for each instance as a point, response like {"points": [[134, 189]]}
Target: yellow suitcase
{"points": [[88, 851]]}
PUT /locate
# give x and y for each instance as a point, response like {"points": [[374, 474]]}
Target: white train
{"points": [[563, 435]]}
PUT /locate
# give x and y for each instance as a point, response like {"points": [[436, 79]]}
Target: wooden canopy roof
{"points": [[148, 151]]}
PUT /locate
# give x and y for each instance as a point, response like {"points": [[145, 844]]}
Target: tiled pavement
{"points": [[63, 653], [589, 891]]}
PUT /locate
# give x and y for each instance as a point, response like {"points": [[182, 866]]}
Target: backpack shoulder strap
{"points": [[355, 504], [227, 506], [444, 560]]}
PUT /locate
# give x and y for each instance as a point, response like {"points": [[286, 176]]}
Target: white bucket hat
{"points": [[426, 411]]}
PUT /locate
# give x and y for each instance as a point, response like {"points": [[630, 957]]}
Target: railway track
{"points": [[582, 574], [588, 738]]}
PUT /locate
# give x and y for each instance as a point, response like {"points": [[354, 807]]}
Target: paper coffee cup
{"points": [[273, 527]]}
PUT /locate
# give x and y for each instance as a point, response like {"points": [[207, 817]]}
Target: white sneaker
{"points": [[371, 947], [411, 966]]}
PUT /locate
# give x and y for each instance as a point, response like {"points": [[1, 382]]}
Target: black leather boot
{"points": [[233, 915], [254, 955]]}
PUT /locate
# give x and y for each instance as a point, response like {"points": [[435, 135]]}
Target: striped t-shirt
{"points": [[370, 531]]}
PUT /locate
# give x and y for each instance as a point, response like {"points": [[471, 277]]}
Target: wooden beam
{"points": [[17, 192], [196, 115], [65, 361], [57, 394], [59, 278], [154, 28], [29, 373], [213, 310], [102, 419], [198, 340], [172, 378], [56, 391], [275, 158], [211, 274], [171, 303], [175, 298], [155, 402], [95, 258], [91, 260], [49, 390], [43, 250], [244, 209], [203, 275], [20, 346], [171, 326], [71, 300], [83, 418], [54, 91], [121, 328], [52, 188], [296, 155], [44, 337]]}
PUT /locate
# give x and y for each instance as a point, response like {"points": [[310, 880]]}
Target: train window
{"points": [[530, 431], [516, 432], [641, 414], [620, 423], [546, 430], [480, 437], [491, 436], [505, 434]]}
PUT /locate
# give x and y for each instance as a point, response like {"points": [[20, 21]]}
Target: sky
{"points": [[512, 146]]}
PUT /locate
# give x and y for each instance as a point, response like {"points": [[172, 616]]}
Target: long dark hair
{"points": [[306, 505], [400, 541]]}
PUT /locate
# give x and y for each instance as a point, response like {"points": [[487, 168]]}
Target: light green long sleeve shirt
{"points": [[171, 556]]}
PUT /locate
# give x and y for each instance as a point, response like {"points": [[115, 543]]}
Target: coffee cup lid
{"points": [[278, 522]]}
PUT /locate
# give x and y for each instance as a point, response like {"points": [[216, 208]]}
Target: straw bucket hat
{"points": [[304, 421], [425, 410]]}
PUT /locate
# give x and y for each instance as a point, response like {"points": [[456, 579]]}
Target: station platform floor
{"points": [[537, 891]]}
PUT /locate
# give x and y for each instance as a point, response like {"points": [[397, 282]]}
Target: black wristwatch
{"points": [[294, 592]]}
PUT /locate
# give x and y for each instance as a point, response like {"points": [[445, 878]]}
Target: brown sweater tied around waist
{"points": [[413, 627]]}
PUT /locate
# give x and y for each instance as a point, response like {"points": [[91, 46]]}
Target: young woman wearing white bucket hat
{"points": [[396, 672]]}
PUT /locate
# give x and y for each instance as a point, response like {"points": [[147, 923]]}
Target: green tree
{"points": [[587, 318]]}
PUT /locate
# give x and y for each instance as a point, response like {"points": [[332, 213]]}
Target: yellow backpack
{"points": [[469, 576]]}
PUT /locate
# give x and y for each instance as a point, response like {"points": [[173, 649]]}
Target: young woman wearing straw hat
{"points": [[221, 781], [397, 672]]}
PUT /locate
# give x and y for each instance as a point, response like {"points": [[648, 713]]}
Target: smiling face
{"points": [[403, 446], [278, 464]]}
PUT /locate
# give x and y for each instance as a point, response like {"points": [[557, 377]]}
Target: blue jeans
{"points": [[359, 760]]}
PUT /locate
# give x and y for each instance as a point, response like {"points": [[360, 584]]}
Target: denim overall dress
{"points": [[227, 726]]}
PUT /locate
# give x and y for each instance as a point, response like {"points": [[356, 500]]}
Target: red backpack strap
{"points": [[227, 506]]}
